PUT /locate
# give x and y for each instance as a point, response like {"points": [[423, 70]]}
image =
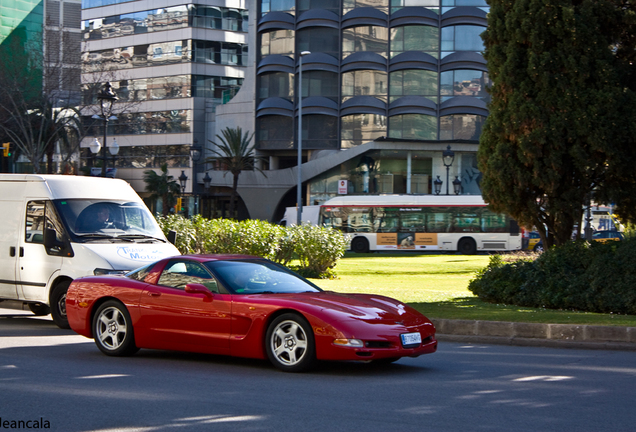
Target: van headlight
{"points": [[103, 272]]}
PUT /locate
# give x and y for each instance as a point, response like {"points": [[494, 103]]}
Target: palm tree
{"points": [[234, 153], [162, 186]]}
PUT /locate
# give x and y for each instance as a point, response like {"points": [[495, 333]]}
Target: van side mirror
{"points": [[55, 247], [172, 237]]}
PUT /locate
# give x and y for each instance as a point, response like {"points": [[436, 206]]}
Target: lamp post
{"points": [[106, 98], [448, 156], [195, 155], [183, 178], [299, 195]]}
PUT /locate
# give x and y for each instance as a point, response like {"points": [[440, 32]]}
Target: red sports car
{"points": [[242, 306]]}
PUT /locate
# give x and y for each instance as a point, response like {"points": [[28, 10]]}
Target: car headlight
{"points": [[102, 272], [349, 342]]}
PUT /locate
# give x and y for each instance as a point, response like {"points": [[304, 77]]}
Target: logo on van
{"points": [[140, 253]]}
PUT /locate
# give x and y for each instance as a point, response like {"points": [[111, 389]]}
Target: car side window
{"points": [[179, 273]]}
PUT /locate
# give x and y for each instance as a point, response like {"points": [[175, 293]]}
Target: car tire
{"points": [[289, 343], [360, 245], [39, 309], [57, 304], [467, 246], [538, 248], [113, 330]]}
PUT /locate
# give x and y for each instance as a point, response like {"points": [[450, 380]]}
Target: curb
{"points": [[535, 334]]}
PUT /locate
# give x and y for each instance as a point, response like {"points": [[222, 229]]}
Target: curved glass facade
{"points": [[378, 51]]}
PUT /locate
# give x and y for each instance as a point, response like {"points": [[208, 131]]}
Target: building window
{"points": [[366, 38], [277, 42], [415, 38], [413, 82], [319, 39], [320, 132], [330, 5], [413, 126], [465, 83], [349, 5], [275, 132], [358, 129], [320, 83], [462, 38], [277, 6], [275, 84], [364, 83], [461, 126]]}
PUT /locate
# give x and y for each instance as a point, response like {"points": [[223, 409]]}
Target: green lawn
{"points": [[437, 286]]}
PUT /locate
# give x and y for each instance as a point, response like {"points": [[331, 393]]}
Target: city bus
{"points": [[461, 223]]}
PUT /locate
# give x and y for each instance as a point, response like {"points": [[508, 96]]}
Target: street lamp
{"points": [[437, 183], [106, 98], [448, 156], [457, 185], [113, 149], [300, 137], [183, 178]]}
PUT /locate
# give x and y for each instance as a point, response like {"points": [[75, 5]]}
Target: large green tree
{"points": [[561, 118], [233, 153]]}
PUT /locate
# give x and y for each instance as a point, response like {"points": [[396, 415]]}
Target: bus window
{"points": [[359, 220], [386, 220], [467, 221], [413, 220], [439, 220], [492, 222]]}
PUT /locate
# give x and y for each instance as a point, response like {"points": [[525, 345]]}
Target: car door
{"points": [[175, 319]]}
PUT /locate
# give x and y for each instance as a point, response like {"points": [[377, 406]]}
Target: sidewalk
{"points": [[532, 334]]}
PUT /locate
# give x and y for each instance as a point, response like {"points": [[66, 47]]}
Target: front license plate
{"points": [[411, 339]]}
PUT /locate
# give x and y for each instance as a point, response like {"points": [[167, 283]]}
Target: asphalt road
{"points": [[59, 379]]}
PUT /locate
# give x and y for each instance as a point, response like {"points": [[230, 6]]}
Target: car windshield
{"points": [[95, 220], [259, 277]]}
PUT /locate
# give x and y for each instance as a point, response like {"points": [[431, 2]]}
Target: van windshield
{"points": [[89, 220]]}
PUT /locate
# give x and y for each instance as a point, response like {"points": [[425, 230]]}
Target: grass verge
{"points": [[437, 286]]}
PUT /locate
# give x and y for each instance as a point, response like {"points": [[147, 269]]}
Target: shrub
{"points": [[318, 249], [593, 277]]}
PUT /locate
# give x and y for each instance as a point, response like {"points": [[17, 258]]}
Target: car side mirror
{"points": [[196, 288]]}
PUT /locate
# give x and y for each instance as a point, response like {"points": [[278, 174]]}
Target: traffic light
{"points": [[6, 149], [178, 206]]}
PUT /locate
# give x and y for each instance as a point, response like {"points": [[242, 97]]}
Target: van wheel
{"points": [[39, 309], [467, 246], [360, 245], [58, 304]]}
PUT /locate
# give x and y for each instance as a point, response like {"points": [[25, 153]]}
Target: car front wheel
{"points": [[290, 343], [113, 330]]}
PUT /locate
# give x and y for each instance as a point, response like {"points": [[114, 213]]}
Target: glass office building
{"points": [[405, 75]]}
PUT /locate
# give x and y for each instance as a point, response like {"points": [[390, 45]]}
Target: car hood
{"points": [[362, 307]]}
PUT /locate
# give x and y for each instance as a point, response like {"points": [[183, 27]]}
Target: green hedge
{"points": [[318, 249], [596, 277]]}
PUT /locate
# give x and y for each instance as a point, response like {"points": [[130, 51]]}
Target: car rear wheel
{"points": [[113, 330], [290, 343], [58, 304]]}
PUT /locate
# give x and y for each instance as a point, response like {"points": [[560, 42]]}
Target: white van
{"points": [[56, 228]]}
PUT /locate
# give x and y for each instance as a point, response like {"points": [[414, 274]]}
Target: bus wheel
{"points": [[360, 245], [467, 246]]}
